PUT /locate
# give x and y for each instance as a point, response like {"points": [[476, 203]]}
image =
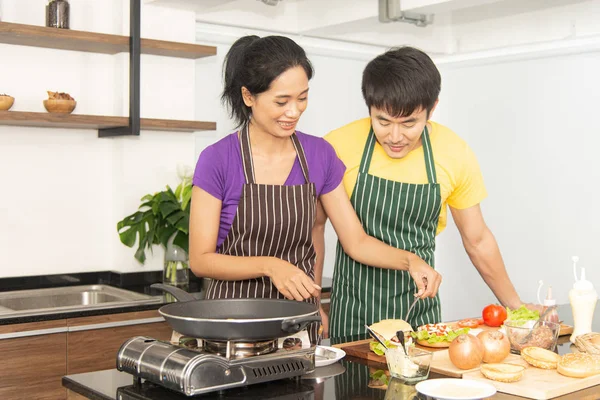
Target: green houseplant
{"points": [[163, 218]]}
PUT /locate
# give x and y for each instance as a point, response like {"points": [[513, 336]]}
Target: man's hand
{"points": [[291, 281], [428, 281], [534, 307]]}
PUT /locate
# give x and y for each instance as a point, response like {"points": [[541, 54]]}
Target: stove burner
{"points": [[235, 350], [196, 371]]}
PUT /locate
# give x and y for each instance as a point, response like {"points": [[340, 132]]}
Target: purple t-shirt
{"points": [[219, 171]]}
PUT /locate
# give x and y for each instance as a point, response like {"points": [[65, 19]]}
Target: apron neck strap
{"points": [[367, 156], [248, 163]]}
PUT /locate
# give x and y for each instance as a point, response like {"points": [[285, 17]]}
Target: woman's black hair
{"points": [[401, 81], [254, 63]]}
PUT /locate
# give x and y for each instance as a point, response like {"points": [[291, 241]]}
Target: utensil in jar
{"points": [[400, 336], [537, 323], [236, 319], [376, 336]]}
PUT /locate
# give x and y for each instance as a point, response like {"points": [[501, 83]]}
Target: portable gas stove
{"points": [[217, 365]]}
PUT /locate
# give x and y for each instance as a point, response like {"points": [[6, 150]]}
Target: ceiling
{"points": [[358, 20]]}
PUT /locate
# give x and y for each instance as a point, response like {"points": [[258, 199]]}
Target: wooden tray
{"points": [[540, 384]]}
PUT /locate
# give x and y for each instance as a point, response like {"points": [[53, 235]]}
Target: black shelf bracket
{"points": [[135, 49]]}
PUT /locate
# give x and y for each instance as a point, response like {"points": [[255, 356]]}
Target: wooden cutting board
{"points": [[538, 383], [440, 363]]}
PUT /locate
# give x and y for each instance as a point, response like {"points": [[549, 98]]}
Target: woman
{"points": [[255, 191]]}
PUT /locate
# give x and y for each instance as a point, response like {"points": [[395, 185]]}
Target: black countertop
{"points": [[348, 379], [136, 281]]}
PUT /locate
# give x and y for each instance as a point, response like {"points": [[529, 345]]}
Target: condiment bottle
{"points": [[583, 298], [552, 316]]}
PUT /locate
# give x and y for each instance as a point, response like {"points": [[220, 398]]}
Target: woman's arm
{"points": [[292, 282], [318, 235], [368, 250]]}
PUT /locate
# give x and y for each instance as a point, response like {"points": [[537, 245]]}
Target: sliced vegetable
{"points": [[469, 323]]}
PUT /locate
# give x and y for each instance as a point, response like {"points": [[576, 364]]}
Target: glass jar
{"points": [[57, 14], [176, 268]]}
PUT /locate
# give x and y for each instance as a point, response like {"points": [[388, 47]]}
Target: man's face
{"points": [[398, 136]]}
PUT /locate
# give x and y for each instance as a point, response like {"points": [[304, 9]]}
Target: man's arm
{"points": [[482, 248]]}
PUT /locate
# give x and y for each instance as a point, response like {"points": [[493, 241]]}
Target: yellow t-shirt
{"points": [[456, 166]]}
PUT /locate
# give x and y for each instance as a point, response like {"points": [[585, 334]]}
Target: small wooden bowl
{"points": [[60, 106], [6, 102]]}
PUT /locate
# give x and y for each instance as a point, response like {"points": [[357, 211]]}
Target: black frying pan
{"points": [[236, 319]]}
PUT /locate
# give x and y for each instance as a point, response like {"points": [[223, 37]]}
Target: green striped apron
{"points": [[399, 214]]}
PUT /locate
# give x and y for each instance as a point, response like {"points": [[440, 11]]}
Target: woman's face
{"points": [[278, 110]]}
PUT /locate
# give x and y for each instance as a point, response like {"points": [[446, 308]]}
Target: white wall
{"points": [[64, 190], [531, 123]]}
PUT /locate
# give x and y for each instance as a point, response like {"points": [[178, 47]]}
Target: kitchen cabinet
{"points": [[35, 356], [32, 366]]}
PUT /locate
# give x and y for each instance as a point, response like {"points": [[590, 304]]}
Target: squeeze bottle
{"points": [[583, 298]]}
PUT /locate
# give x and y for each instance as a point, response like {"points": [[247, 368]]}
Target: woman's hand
{"points": [[324, 322], [291, 281], [427, 279]]}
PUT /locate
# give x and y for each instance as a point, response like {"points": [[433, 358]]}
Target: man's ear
{"points": [[247, 97]]}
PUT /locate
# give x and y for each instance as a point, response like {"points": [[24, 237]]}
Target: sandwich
{"points": [[387, 329]]}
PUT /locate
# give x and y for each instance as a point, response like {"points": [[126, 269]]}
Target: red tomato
{"points": [[494, 315], [469, 323]]}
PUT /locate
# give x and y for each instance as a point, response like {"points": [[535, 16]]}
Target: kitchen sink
{"points": [[69, 298]]}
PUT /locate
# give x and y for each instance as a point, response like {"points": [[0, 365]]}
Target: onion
{"points": [[496, 346], [466, 351]]}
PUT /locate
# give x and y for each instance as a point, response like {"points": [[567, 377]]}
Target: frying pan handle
{"points": [[297, 324], [180, 295]]}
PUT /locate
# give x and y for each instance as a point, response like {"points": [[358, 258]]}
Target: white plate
{"points": [[339, 354], [455, 389]]}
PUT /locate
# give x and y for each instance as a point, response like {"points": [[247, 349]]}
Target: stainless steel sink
{"points": [[69, 298]]}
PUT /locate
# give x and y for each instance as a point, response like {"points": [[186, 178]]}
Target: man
{"points": [[402, 171]]}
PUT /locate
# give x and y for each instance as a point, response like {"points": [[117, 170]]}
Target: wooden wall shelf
{"points": [[68, 39], [80, 121]]}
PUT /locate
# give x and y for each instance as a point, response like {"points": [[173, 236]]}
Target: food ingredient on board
{"points": [[522, 314], [583, 298], [387, 328], [589, 343], [544, 335], [472, 323], [437, 335], [496, 346], [494, 315], [540, 358], [503, 372], [466, 351], [579, 365]]}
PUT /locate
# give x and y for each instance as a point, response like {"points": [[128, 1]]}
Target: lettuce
{"points": [[522, 314], [432, 339], [378, 349]]}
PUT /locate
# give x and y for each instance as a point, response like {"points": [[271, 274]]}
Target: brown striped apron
{"points": [[270, 221]]}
